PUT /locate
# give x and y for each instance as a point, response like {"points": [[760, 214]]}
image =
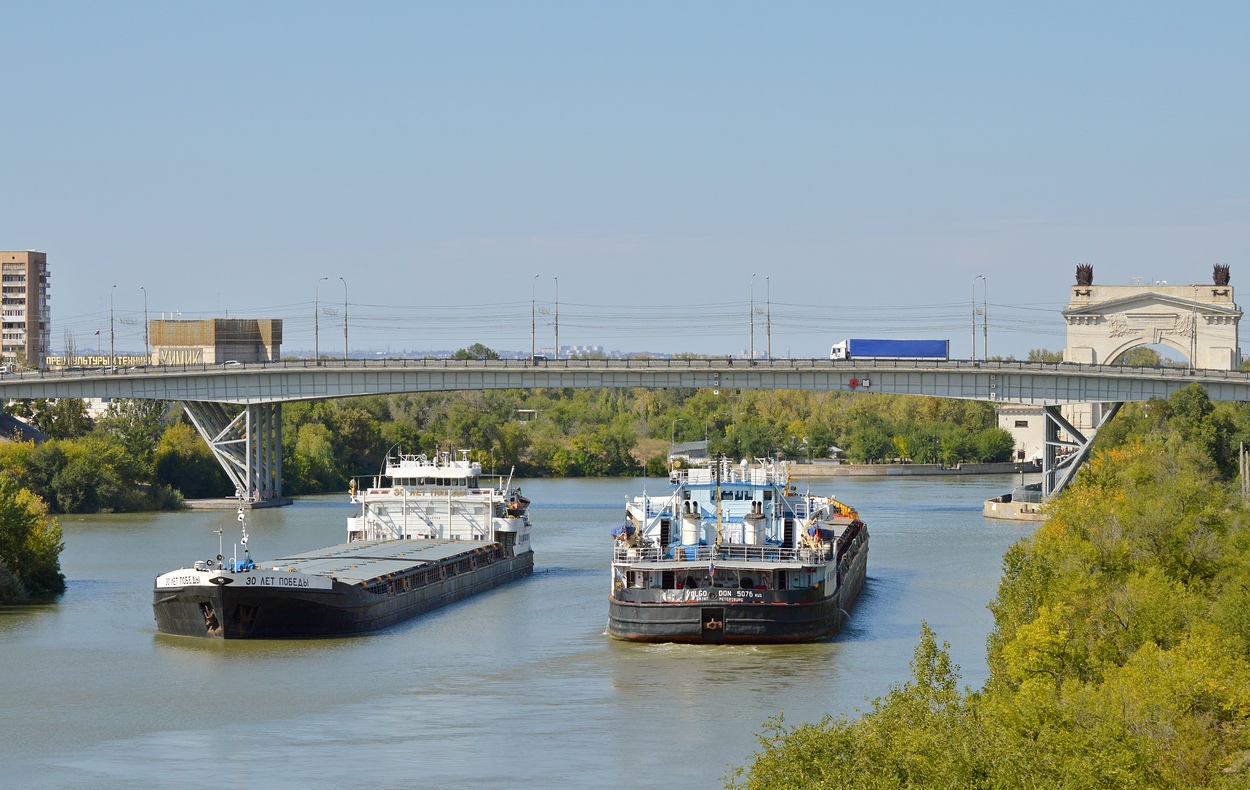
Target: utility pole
{"points": [[752, 351], [557, 351], [974, 317], [533, 317], [768, 316], [344, 321], [985, 317], [317, 320], [147, 347]]}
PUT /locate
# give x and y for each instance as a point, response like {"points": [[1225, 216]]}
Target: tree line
{"points": [[1120, 653], [145, 455]]}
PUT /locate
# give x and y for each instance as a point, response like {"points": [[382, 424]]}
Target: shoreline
{"points": [[828, 469]]}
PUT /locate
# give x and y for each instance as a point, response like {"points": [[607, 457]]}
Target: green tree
{"points": [[1140, 357], [1045, 355], [476, 351], [184, 462], [30, 545], [63, 418], [138, 424]]}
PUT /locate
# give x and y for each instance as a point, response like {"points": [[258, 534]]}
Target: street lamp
{"points": [[672, 433], [344, 321], [147, 348], [111, 291], [533, 316], [768, 315], [317, 320]]}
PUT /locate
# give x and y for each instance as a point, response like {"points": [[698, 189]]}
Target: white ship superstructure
{"points": [[440, 498], [733, 553]]}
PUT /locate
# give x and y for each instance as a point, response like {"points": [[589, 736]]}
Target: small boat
{"points": [[433, 535], [733, 554]]}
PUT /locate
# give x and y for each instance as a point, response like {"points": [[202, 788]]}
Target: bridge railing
{"points": [[701, 363]]}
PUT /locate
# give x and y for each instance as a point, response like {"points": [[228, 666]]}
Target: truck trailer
{"points": [[860, 348]]}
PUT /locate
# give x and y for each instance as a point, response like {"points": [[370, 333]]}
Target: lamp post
{"points": [[672, 432], [768, 315], [344, 321], [111, 291], [752, 351], [147, 347], [317, 320], [557, 350]]}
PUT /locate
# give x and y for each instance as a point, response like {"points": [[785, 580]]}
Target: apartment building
{"points": [[27, 328]]}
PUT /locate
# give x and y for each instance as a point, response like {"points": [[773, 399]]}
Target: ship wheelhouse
{"points": [[417, 496]]}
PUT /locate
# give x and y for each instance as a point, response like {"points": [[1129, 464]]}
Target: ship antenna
{"points": [[243, 526]]}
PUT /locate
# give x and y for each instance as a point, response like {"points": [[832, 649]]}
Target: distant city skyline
{"points": [[860, 165]]}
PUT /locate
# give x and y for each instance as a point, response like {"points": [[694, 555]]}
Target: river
{"points": [[519, 687]]}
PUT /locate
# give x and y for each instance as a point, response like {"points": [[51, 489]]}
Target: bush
{"points": [[30, 545]]}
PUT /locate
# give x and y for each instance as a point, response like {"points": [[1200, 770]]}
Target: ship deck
{"points": [[364, 561]]}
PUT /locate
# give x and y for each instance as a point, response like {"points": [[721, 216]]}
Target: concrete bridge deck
{"points": [[278, 382]]}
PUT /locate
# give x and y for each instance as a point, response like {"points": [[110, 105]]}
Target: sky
{"points": [[865, 162]]}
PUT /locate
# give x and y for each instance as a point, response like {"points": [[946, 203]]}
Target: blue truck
{"points": [[860, 348]]}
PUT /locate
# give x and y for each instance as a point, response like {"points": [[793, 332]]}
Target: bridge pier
{"points": [[1058, 472], [248, 445]]}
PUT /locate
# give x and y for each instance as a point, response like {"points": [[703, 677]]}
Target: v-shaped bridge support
{"points": [[1058, 466], [248, 445]]}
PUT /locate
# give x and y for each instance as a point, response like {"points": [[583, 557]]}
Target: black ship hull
{"points": [[729, 616], [241, 612]]}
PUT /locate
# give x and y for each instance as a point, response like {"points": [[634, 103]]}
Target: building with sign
{"points": [[27, 327], [215, 341]]}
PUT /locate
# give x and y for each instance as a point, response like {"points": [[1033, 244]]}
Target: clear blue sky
{"points": [[870, 159]]}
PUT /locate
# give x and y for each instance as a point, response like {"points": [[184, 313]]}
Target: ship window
{"points": [[768, 495]]}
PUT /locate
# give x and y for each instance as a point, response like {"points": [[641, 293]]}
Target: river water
{"points": [[519, 687]]}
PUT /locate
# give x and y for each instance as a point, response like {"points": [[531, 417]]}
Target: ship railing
{"points": [[726, 552]]}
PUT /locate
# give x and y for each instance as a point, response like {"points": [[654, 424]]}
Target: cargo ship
{"points": [[731, 553], [428, 533]]}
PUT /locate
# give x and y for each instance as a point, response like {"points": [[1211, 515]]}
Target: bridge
{"points": [[237, 407]]}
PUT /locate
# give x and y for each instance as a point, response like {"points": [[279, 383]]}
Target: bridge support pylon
{"points": [[248, 445], [1058, 471]]}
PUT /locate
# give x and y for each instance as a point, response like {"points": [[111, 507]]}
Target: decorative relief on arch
{"points": [[1153, 324]]}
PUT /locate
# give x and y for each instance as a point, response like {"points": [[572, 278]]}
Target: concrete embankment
{"points": [[828, 469], [230, 503]]}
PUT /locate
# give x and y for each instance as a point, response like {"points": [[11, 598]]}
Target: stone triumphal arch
{"points": [[1104, 321], [1199, 321]]}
